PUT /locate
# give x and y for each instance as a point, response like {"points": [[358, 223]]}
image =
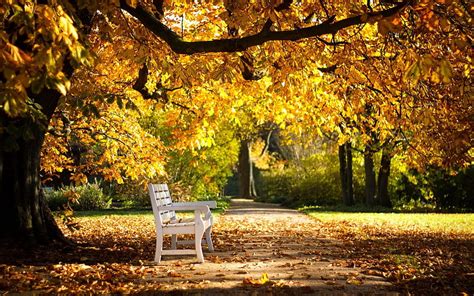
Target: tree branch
{"points": [[332, 43], [329, 69], [160, 94], [321, 2], [159, 9], [284, 5], [241, 44]]}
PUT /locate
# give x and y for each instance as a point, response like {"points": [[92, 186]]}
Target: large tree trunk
{"points": [[384, 173], [369, 177], [24, 214], [246, 178]]}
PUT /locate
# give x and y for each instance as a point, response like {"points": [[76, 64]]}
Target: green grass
{"points": [[457, 223], [222, 205], [114, 212]]}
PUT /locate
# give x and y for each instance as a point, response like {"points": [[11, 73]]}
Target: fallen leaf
{"points": [[256, 282], [173, 273], [354, 281], [331, 283]]}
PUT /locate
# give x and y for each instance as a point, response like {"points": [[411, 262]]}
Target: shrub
{"points": [[312, 181], [55, 199], [84, 197], [436, 187], [91, 197], [132, 194]]}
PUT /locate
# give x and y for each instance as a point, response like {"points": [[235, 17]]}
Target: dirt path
{"points": [[295, 252]]}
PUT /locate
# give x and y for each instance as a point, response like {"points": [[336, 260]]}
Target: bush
{"points": [[55, 199], [312, 181], [84, 197], [132, 194], [137, 201], [438, 188]]}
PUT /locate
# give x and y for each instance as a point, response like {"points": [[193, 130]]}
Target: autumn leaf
{"points": [[174, 274], [256, 282], [354, 281]]}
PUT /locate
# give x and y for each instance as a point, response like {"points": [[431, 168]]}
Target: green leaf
{"points": [[110, 99], [94, 110], [446, 71], [414, 73], [119, 102]]}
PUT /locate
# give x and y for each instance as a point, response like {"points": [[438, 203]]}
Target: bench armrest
{"points": [[209, 203]]}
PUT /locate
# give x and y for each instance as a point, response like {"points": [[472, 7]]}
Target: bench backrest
{"points": [[160, 196]]}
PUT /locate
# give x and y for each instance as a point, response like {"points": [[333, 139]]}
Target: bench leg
{"points": [[197, 244], [210, 247], [159, 248]]}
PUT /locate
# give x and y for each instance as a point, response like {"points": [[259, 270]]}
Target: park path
{"points": [[295, 251]]}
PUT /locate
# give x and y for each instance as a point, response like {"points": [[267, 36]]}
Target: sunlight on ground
{"points": [[457, 223]]}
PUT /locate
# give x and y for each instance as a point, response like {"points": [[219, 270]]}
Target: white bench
{"points": [[166, 222]]}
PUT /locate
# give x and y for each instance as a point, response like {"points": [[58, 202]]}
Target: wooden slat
{"points": [[178, 252], [190, 242], [162, 197], [178, 230]]}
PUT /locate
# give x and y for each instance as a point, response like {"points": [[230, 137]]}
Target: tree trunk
{"points": [[275, 145], [345, 171], [246, 178], [384, 173], [349, 175], [369, 177], [24, 214], [342, 173]]}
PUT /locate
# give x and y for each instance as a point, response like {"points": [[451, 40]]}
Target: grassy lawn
{"points": [[141, 212], [445, 223]]}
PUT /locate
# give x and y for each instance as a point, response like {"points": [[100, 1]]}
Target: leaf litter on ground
{"points": [[283, 255]]}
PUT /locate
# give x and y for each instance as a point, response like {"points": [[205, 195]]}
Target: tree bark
{"points": [[24, 214], [349, 175], [246, 178], [369, 177], [384, 173], [342, 172], [345, 171], [275, 145], [178, 45]]}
